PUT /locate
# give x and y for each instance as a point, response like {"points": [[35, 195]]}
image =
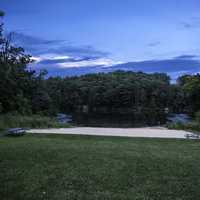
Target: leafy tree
{"points": [[191, 87], [144, 97], [14, 76]]}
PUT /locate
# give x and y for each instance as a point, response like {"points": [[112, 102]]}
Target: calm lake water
{"points": [[115, 120]]}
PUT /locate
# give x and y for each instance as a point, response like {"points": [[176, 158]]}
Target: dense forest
{"points": [[147, 98]]}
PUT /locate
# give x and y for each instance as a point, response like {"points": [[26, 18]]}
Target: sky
{"points": [[67, 36]]}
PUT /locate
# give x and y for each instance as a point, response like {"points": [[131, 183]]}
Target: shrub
{"points": [[34, 121], [191, 126], [197, 117]]}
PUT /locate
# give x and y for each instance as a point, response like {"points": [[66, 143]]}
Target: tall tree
{"points": [[14, 76]]}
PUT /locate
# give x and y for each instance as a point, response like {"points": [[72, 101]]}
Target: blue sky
{"points": [[86, 33]]}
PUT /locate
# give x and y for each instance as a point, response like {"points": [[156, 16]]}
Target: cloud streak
{"points": [[186, 57], [106, 62], [154, 44], [69, 62], [59, 57], [38, 46], [66, 60], [192, 23], [61, 54], [175, 67]]}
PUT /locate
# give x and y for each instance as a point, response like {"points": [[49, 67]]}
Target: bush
{"points": [[197, 117], [1, 107], [191, 126], [34, 121]]}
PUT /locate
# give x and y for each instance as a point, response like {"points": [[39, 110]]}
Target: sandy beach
{"points": [[154, 132]]}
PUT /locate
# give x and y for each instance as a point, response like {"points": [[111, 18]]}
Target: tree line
{"points": [[145, 97]]}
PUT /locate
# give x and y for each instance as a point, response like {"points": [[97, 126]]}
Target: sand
{"points": [[154, 132]]}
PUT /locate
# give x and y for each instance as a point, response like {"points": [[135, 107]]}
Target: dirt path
{"points": [[156, 132]]}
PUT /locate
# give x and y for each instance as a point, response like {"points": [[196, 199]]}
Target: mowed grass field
{"points": [[60, 167]]}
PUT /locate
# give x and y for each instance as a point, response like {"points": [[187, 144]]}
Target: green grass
{"points": [[34, 121], [59, 167]]}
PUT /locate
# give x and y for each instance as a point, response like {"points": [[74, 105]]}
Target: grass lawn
{"points": [[59, 167]]}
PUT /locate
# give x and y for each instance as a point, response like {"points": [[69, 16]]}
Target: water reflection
{"points": [[112, 120]]}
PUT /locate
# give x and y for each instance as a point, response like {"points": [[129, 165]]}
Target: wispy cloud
{"points": [[174, 67], [154, 44], [105, 62], [187, 25], [69, 62], [61, 57], [25, 40], [187, 57], [191, 23], [65, 59], [62, 54], [40, 46], [183, 64]]}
